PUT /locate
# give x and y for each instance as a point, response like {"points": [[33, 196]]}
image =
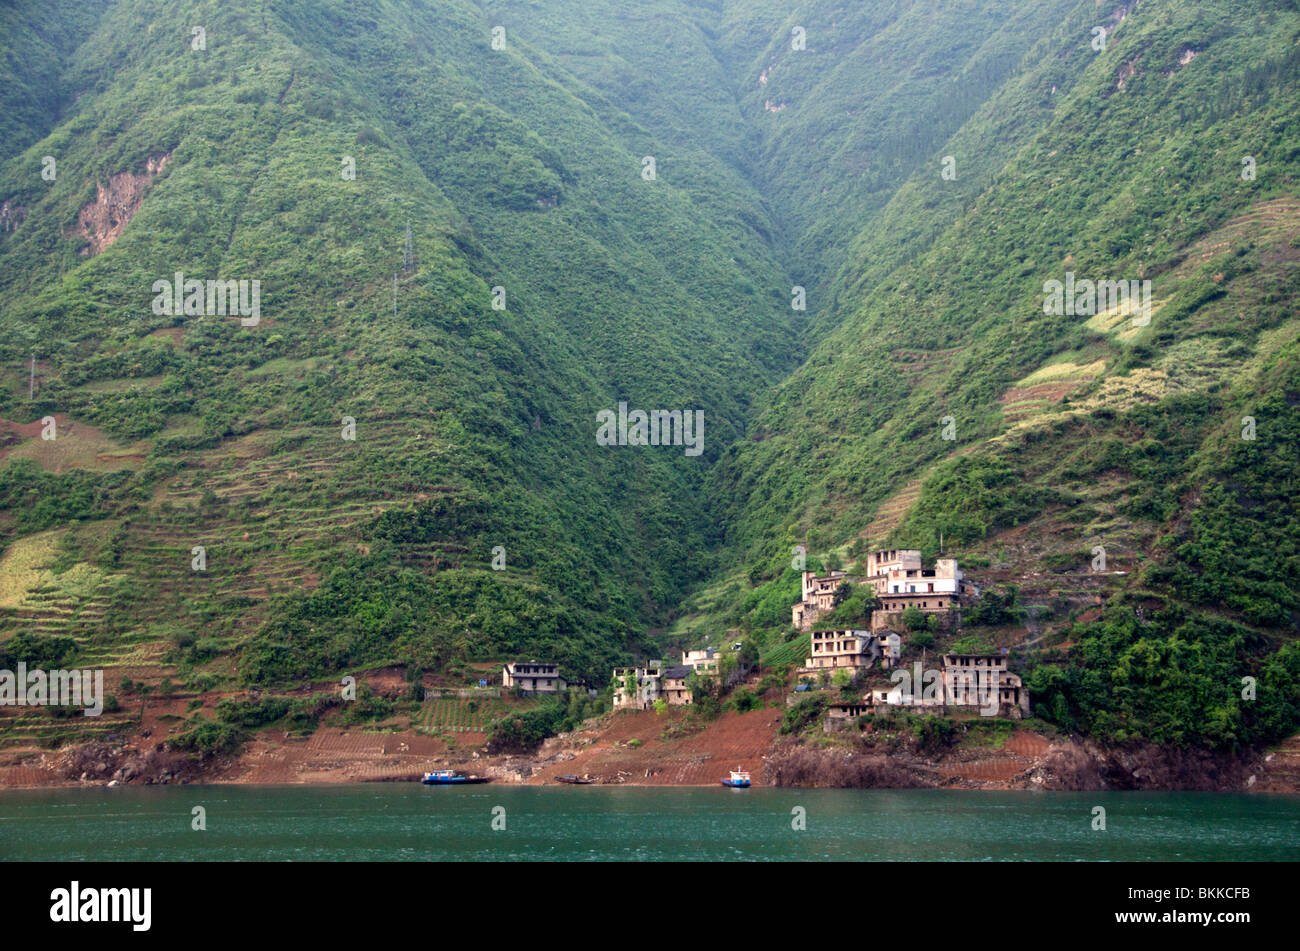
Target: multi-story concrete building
{"points": [[973, 680], [966, 681], [899, 580], [673, 686], [533, 676], [850, 650], [818, 597], [705, 660], [637, 688]]}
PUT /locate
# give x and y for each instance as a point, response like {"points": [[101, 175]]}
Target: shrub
{"points": [[367, 706], [252, 714], [743, 700], [995, 608], [208, 738], [913, 618], [805, 711], [932, 731], [524, 732], [36, 651]]}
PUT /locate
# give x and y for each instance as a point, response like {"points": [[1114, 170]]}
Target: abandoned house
{"points": [[840, 715], [705, 660], [850, 649], [900, 581], [637, 688], [673, 686], [969, 680]]}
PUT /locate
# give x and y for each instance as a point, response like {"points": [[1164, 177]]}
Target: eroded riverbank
{"points": [[670, 749]]}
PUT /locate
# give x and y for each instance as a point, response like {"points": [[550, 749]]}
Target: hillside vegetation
{"points": [[611, 202]]}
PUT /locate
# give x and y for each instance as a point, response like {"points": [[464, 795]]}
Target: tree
{"points": [[996, 608], [629, 685], [914, 618]]}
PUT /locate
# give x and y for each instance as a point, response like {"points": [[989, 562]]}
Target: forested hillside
{"points": [[475, 226], [946, 407], [476, 424]]}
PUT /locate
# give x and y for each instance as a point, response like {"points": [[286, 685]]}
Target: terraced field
{"points": [[37, 729], [791, 652], [270, 511], [440, 715]]}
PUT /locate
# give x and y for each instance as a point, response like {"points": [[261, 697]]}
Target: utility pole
{"points": [[31, 381], [394, 294]]}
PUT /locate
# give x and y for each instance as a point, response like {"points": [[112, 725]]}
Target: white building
{"points": [[532, 676], [899, 579], [705, 661]]}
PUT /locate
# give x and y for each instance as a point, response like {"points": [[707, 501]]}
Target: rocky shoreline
{"points": [[645, 750]]}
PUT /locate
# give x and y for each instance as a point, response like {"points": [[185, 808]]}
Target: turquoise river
{"points": [[524, 823]]}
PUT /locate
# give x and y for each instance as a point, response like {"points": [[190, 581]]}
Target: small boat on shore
{"points": [[449, 777], [574, 780], [739, 779]]}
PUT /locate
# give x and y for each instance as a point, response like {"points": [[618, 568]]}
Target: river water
{"points": [[522, 823]]}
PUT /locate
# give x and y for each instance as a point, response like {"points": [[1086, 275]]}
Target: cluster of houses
{"points": [[638, 688], [966, 683], [967, 680], [899, 581]]}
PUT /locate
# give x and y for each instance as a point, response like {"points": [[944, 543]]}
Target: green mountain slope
{"points": [[923, 169], [476, 425], [947, 404]]}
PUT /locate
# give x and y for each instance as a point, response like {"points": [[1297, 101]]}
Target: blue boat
{"points": [[449, 777], [739, 779]]}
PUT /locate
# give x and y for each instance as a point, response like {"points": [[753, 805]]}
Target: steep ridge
{"points": [[1036, 437], [922, 169], [476, 424]]}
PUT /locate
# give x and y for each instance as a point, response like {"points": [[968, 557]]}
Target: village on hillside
{"points": [[841, 657], [875, 648]]}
